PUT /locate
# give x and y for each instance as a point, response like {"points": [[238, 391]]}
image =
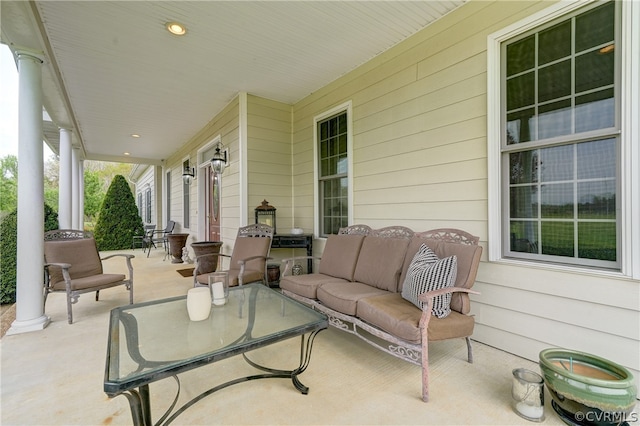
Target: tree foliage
{"points": [[8, 183], [9, 251], [118, 220]]}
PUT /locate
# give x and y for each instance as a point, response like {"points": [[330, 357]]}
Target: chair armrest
{"points": [[65, 274], [241, 262], [127, 257], [430, 295], [288, 262]]}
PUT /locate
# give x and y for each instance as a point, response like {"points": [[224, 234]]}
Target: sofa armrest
{"points": [[290, 261], [430, 295]]}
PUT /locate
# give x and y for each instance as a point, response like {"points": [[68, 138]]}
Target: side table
{"points": [[304, 241]]}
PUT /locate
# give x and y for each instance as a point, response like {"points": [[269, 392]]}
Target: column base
{"points": [[37, 324]]}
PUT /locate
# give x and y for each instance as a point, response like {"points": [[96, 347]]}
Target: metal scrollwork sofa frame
{"points": [[359, 285]]}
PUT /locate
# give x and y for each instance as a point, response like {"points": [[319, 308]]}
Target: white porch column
{"points": [[80, 195], [29, 297], [64, 186], [74, 190]]}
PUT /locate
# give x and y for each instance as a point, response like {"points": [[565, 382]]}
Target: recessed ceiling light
{"points": [[176, 28], [126, 153], [135, 135]]}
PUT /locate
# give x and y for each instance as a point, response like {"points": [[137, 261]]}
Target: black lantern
{"points": [[266, 215]]}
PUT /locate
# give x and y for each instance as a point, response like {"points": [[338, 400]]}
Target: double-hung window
{"points": [[560, 139], [332, 136]]}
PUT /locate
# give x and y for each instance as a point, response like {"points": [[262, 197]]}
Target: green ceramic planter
{"points": [[587, 389]]}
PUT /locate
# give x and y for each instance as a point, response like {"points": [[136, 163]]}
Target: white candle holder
{"points": [[219, 288], [198, 303]]}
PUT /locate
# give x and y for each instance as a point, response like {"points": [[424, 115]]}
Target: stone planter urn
{"points": [[176, 244], [587, 389], [207, 264]]}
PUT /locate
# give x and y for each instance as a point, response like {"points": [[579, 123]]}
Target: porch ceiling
{"points": [[112, 69]]}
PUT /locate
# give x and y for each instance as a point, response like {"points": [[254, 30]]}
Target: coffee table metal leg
{"points": [[137, 412]]}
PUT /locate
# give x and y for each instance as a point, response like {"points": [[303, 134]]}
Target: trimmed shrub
{"points": [[118, 220], [9, 251]]}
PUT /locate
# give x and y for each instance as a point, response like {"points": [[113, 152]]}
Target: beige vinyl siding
{"points": [[225, 124], [420, 160], [269, 159]]}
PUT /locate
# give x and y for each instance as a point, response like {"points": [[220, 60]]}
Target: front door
{"points": [[213, 205]]}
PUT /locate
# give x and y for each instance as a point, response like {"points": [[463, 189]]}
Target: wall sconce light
{"points": [[219, 160], [188, 174], [266, 214]]}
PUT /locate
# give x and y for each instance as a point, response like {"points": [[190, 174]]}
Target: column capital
{"points": [[26, 53]]}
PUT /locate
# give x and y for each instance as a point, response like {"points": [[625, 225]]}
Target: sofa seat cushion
{"points": [[343, 297], [380, 262], [89, 282], [340, 255], [307, 285], [401, 318]]}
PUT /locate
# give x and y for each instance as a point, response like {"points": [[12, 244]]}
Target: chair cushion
{"points": [[307, 285], [81, 254], [340, 256], [245, 247], [343, 297], [91, 282], [401, 318], [428, 273], [249, 277], [380, 262]]}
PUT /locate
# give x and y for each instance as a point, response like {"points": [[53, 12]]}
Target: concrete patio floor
{"points": [[54, 376]]}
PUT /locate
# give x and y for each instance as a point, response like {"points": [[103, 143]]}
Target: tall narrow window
{"points": [[186, 200], [561, 141], [168, 196], [147, 212], [333, 169], [140, 205]]}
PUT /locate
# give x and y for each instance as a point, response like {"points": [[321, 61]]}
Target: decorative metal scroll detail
{"points": [[406, 353], [394, 232], [355, 230], [256, 230], [450, 235], [66, 234], [338, 323]]}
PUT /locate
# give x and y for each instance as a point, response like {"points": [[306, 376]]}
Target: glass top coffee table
{"points": [[154, 340]]}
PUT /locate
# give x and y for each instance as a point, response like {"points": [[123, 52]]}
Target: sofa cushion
{"points": [[343, 297], [307, 285], [380, 262], [401, 318], [428, 273], [340, 256], [90, 281], [81, 254]]}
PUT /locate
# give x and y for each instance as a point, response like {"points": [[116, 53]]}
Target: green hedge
{"points": [[9, 251]]}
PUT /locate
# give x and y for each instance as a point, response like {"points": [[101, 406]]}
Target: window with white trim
{"points": [[333, 172], [560, 140], [186, 200]]}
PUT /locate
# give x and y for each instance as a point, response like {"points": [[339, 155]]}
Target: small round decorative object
{"points": [[296, 269]]}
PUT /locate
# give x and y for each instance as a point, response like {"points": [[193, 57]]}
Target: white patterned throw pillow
{"points": [[426, 273]]}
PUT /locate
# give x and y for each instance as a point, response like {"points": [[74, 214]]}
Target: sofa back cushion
{"points": [[468, 259], [340, 255], [380, 262], [81, 254]]}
